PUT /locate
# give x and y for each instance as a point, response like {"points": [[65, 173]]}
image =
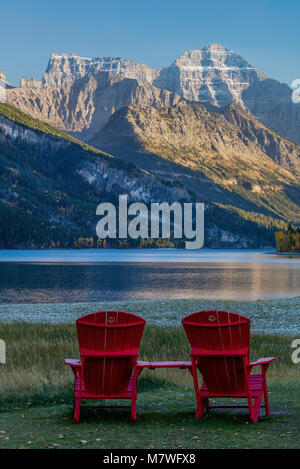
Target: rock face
{"points": [[4, 82], [82, 106], [210, 75], [271, 103], [79, 94], [105, 175], [219, 76], [2, 77], [64, 69]]}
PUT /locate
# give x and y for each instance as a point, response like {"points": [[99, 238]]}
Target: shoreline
{"points": [[276, 316], [292, 254]]}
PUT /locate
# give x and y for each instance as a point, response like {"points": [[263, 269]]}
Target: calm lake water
{"points": [[79, 276]]}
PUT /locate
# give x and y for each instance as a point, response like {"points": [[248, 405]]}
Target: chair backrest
{"points": [[108, 343], [220, 341]]}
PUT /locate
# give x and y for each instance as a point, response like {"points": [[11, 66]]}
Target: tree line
{"points": [[288, 241]]}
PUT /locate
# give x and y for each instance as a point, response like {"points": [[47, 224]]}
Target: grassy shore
{"points": [[36, 397]]}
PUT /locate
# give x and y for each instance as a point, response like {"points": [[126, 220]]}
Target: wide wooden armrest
{"points": [[262, 361], [152, 365], [73, 362]]}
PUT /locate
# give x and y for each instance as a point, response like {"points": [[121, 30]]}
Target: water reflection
{"points": [[58, 283]]}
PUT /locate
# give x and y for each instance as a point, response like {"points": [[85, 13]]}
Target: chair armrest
{"points": [[74, 363], [261, 361]]}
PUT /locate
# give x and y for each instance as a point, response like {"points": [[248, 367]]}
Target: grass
{"points": [[36, 397]]}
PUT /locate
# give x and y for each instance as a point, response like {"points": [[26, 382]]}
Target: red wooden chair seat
{"points": [[220, 350], [255, 385], [129, 394]]}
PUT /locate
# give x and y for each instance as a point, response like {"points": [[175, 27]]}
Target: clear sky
{"points": [[156, 32]]}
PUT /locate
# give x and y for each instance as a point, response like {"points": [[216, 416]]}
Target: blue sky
{"points": [[156, 32]]}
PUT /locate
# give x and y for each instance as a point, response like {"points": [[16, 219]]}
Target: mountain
{"points": [[3, 80], [83, 105], [63, 69], [225, 155], [213, 75], [51, 184], [219, 76], [209, 128], [4, 85], [271, 103], [79, 94]]}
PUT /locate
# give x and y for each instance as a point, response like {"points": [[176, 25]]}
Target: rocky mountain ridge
{"points": [[63, 69], [213, 75], [71, 91], [88, 102]]}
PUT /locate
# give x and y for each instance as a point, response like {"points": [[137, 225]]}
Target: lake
{"points": [[91, 275]]}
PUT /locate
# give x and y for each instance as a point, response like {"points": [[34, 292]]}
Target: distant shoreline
{"points": [[286, 253]]}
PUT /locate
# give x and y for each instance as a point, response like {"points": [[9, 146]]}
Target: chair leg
{"points": [[74, 391], [79, 397], [205, 404], [136, 374], [133, 410], [267, 408], [199, 411], [250, 407], [77, 404], [266, 396], [256, 408]]}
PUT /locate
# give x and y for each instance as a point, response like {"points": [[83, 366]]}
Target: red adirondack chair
{"points": [[108, 343], [220, 344]]}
